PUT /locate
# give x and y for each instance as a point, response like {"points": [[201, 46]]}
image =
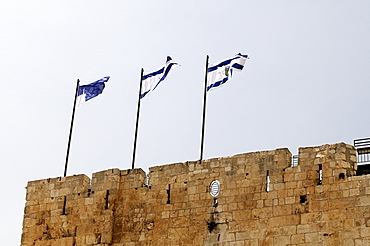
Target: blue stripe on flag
{"points": [[93, 89], [221, 72], [168, 69], [221, 64], [144, 94], [237, 66], [159, 71], [218, 83], [152, 80]]}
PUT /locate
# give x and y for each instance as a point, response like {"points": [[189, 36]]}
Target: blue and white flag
{"points": [[220, 73], [87, 92], [151, 80]]}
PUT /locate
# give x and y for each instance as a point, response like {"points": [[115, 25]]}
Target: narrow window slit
{"points": [[268, 181], [64, 206], [320, 174], [169, 194], [106, 200]]}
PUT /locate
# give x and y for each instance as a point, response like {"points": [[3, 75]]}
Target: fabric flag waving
{"points": [[87, 92], [151, 80], [221, 72]]}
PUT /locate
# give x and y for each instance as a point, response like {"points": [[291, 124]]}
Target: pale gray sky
{"points": [[306, 84]]}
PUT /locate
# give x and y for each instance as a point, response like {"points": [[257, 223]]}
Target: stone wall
{"points": [[263, 200]]}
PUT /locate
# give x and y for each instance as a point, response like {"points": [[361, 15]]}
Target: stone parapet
{"points": [[262, 200]]}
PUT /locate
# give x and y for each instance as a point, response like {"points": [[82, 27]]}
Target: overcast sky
{"points": [[306, 83]]}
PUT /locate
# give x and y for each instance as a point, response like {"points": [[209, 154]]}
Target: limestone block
{"points": [[264, 242], [242, 214], [282, 240], [267, 203], [291, 185], [179, 232], [299, 191], [318, 205], [313, 237], [276, 221], [233, 206], [308, 218], [300, 176], [282, 210], [260, 213], [297, 239], [227, 237], [237, 243], [304, 228], [282, 193], [278, 186], [350, 234], [66, 241], [354, 192], [242, 235]]}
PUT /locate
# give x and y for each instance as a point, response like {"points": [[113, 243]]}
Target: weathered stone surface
{"points": [[118, 207]]}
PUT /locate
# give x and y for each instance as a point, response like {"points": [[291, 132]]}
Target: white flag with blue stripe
{"points": [[220, 73], [87, 92], [151, 80]]}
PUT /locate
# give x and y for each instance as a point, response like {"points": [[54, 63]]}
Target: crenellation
{"points": [[119, 207]]}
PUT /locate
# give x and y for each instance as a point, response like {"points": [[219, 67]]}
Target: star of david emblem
{"points": [[227, 69]]}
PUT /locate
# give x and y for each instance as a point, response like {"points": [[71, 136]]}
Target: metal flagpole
{"points": [[137, 119], [71, 128], [204, 111]]}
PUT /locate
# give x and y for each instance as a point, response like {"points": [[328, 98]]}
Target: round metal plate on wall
{"points": [[215, 188]]}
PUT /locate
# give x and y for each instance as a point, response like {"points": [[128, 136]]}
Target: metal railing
{"points": [[362, 147], [294, 160]]}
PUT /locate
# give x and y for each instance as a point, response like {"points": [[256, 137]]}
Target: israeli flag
{"points": [[220, 73], [151, 80], [87, 92]]}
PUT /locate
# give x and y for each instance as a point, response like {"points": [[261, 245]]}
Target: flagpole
{"points": [[71, 128], [137, 119], [204, 111]]}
